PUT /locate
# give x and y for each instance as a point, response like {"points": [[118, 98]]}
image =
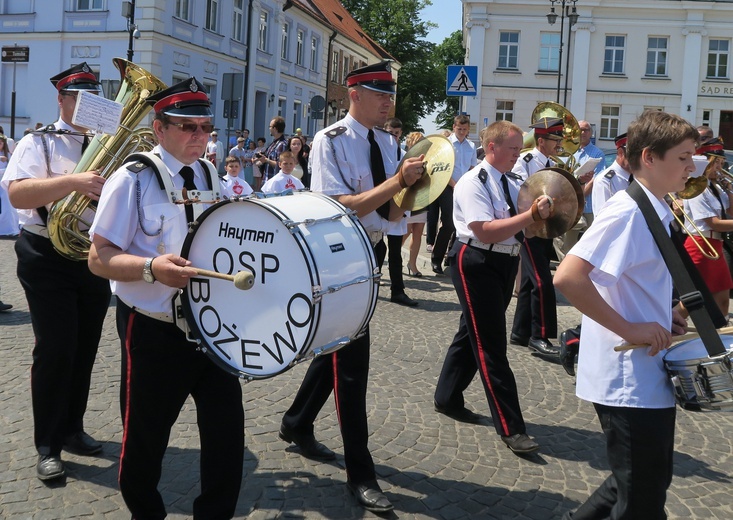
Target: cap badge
{"points": [[85, 68], [194, 87]]}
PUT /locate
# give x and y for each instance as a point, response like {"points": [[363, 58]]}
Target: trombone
{"points": [[694, 186]]}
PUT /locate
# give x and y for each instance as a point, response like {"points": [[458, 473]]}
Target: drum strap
{"points": [[693, 292]]}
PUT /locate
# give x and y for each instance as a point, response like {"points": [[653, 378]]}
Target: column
{"points": [[580, 67]]}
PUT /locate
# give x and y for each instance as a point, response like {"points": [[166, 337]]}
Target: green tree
{"points": [[397, 27]]}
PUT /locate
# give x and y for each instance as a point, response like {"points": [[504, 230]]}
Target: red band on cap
{"points": [[552, 130], [621, 142], [369, 77], [180, 98], [709, 148], [79, 75]]}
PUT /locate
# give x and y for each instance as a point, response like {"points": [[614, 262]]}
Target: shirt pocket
{"points": [[501, 209], [165, 223]]}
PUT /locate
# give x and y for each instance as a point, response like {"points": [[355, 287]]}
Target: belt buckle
{"points": [[515, 249]]}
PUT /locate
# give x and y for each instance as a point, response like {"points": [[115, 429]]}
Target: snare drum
{"points": [[315, 281], [699, 379]]}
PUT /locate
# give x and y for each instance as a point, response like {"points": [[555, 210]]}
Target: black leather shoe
{"points": [[308, 444], [5, 307], [518, 340], [403, 299], [437, 269], [520, 443], [544, 347], [370, 496], [82, 443], [568, 350], [50, 467], [461, 414]]}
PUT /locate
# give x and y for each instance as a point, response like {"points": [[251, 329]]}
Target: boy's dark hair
{"points": [[261, 140], [231, 159], [393, 122], [462, 119], [658, 131]]}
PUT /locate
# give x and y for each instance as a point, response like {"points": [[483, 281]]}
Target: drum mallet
{"points": [[675, 339], [243, 280]]}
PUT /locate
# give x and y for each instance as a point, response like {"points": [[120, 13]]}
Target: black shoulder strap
{"points": [[693, 292], [148, 162]]}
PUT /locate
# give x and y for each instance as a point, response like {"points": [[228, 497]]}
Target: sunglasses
{"points": [[192, 127]]}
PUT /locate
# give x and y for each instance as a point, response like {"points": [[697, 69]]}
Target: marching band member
{"points": [[137, 237], [484, 262], [616, 276], [535, 318], [615, 178], [67, 302], [354, 161], [709, 211]]}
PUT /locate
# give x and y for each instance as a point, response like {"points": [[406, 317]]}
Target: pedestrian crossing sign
{"points": [[462, 80]]}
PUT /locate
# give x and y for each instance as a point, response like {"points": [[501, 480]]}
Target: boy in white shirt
{"points": [[284, 179], [232, 185], [616, 277]]}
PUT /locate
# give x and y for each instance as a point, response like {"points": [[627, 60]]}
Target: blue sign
{"points": [[461, 80]]}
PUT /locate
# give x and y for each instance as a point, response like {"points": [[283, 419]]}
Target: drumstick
{"points": [[243, 280], [675, 339]]}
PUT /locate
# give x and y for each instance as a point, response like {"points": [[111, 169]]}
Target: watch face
{"points": [[147, 271]]}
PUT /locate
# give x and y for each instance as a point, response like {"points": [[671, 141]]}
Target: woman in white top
{"points": [[709, 211]]}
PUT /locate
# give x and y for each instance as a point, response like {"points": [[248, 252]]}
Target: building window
{"points": [[550, 52], [314, 53], [237, 20], [504, 110], [297, 114], [706, 117], [182, 10], [718, 58], [110, 87], [508, 49], [212, 13], [299, 47], [609, 121], [613, 59], [284, 41], [89, 5], [262, 40], [346, 70], [281, 107], [656, 56], [334, 67]]}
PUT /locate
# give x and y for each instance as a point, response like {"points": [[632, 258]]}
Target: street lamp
{"points": [[572, 15], [128, 11]]}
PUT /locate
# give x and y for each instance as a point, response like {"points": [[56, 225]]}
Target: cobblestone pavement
{"points": [[430, 467]]}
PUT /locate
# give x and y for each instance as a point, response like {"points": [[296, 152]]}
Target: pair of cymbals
{"points": [[567, 201], [440, 158]]}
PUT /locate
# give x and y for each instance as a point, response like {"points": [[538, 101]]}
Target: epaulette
{"points": [[482, 176], [137, 167], [382, 130], [528, 158], [513, 175], [610, 174], [335, 132]]}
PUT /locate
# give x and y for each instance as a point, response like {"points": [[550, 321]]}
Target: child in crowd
{"points": [[257, 164], [284, 179], [232, 185]]}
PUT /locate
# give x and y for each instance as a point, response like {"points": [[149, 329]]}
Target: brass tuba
{"points": [[70, 218], [570, 132]]}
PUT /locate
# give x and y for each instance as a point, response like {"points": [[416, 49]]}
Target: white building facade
{"points": [[624, 57], [276, 54]]}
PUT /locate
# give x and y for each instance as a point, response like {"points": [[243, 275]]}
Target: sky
{"points": [[447, 14]]}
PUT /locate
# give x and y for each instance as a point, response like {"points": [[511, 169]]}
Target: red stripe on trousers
{"points": [[128, 374]]}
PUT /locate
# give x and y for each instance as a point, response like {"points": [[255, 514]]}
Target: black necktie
{"points": [[84, 144], [378, 174], [547, 164], [187, 174], [631, 178], [512, 210]]}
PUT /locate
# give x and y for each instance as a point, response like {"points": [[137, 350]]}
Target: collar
{"points": [[664, 212], [536, 154], [174, 165], [355, 125], [620, 171], [453, 139]]}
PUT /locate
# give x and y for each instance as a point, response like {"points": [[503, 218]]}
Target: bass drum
{"points": [[315, 281]]}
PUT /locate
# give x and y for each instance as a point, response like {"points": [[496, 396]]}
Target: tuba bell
{"points": [[69, 218], [571, 129]]}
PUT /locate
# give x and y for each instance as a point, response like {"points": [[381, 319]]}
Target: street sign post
{"points": [[461, 80], [232, 86], [14, 55]]}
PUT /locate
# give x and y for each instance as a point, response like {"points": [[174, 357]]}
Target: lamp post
{"points": [[572, 15], [128, 11]]}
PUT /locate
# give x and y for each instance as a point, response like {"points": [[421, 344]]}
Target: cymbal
{"points": [[567, 201], [439, 160]]}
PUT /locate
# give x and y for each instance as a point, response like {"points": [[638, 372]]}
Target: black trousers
{"points": [[445, 233], [483, 281], [345, 372], [160, 369], [394, 261], [67, 304], [536, 313], [640, 446]]}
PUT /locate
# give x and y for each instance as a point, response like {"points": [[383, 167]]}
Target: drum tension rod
{"points": [[311, 221], [319, 293]]}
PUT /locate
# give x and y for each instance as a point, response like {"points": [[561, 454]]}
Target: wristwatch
{"points": [[148, 275]]}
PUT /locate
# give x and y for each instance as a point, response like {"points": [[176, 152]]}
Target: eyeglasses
{"points": [[192, 127]]}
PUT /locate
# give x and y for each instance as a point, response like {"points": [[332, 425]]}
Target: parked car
{"points": [[609, 155]]}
